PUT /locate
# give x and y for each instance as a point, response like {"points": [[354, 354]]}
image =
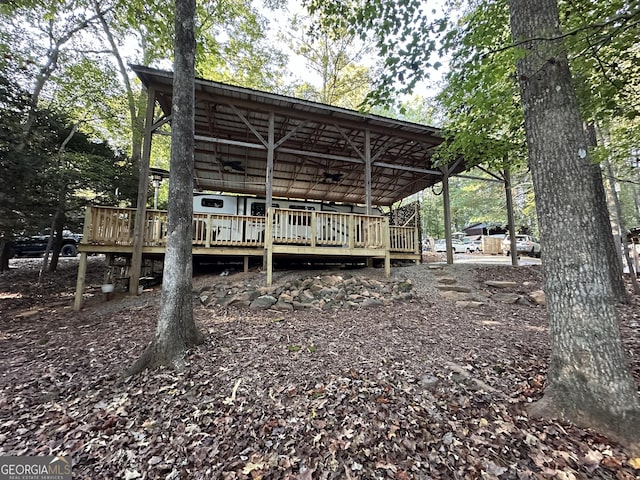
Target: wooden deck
{"points": [[314, 234]]}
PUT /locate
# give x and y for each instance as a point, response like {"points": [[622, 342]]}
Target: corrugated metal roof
{"points": [[319, 150]]}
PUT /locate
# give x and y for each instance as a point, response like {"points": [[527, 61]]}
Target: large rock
{"points": [[538, 297], [505, 297], [456, 296], [263, 302], [454, 288]]}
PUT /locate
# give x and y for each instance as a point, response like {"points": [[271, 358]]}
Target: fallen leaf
{"points": [[611, 462], [250, 467], [131, 474]]}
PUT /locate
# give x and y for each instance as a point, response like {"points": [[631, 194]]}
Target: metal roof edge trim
{"points": [[142, 72]]}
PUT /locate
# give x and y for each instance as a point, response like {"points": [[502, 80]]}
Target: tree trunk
{"points": [[589, 382], [5, 249], [616, 273], [176, 330]]}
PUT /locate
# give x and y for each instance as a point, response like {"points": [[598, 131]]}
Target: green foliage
{"points": [[35, 176], [334, 58], [484, 117], [401, 32]]}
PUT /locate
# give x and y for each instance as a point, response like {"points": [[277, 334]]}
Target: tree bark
{"points": [[176, 330], [589, 382], [616, 273]]}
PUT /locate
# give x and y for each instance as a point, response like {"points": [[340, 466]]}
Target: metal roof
{"points": [[320, 150]]}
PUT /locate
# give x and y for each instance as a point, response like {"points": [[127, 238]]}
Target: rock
{"points": [[524, 301], [371, 302], [447, 280], [468, 304], [306, 296], [325, 292], [429, 381], [452, 295], [501, 284], [283, 306], [505, 297], [454, 288], [301, 306], [263, 302], [331, 280], [538, 297]]}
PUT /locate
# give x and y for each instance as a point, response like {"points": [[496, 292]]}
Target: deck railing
{"points": [[313, 229], [110, 226]]}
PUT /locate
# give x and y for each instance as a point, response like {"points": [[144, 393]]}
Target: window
{"points": [[212, 202], [300, 219], [258, 209]]}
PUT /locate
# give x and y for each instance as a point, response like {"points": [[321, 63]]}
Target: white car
{"points": [[524, 244], [474, 245], [458, 246]]}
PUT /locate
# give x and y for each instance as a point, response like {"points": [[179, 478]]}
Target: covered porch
{"points": [[249, 142]]}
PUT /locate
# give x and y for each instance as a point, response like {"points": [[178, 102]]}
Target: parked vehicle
{"points": [[524, 244], [474, 245], [37, 245], [297, 218], [458, 246]]}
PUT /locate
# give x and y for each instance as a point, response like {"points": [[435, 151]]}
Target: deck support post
{"points": [[82, 266], [446, 204], [268, 244], [269, 190], [417, 235], [246, 263], [387, 247], [143, 186], [82, 271]]}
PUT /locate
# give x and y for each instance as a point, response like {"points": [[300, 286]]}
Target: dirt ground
{"points": [[423, 389]]}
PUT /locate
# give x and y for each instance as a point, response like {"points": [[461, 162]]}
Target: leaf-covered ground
{"points": [[420, 389]]}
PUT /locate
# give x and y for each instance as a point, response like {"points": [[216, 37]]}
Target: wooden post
{"points": [[416, 234], [270, 160], [314, 228], [352, 231], [447, 214], [208, 233], [506, 174], [143, 186], [269, 188], [82, 270], [268, 243], [82, 266], [246, 263], [367, 171], [387, 247]]}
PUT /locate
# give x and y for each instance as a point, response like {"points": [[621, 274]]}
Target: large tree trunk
{"points": [[589, 382], [176, 330]]}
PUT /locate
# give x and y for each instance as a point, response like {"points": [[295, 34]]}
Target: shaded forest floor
{"points": [[421, 389]]}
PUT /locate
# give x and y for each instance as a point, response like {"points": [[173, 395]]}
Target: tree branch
{"points": [[596, 26]]}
